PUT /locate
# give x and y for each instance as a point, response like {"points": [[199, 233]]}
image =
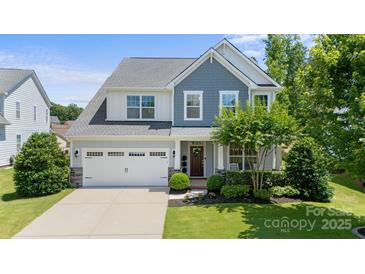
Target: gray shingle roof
{"points": [[10, 78], [131, 72], [54, 120], [147, 72], [3, 121]]}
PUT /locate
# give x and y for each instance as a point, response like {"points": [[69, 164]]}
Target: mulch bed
{"points": [[219, 199]]}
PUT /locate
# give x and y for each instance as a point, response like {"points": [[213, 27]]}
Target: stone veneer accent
{"points": [[76, 177], [172, 171]]}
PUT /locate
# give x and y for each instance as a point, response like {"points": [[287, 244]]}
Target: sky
{"points": [[73, 67]]}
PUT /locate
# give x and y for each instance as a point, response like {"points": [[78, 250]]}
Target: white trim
{"points": [[227, 92], [140, 108], [177, 160], [193, 92], [214, 156], [226, 42], [173, 106], [223, 61], [274, 157], [204, 159], [220, 152], [269, 98]]}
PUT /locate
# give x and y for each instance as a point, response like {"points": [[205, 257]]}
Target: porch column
{"points": [[177, 154], [220, 165]]}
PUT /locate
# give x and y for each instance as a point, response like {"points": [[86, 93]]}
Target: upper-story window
{"points": [[17, 110], [264, 99], [228, 99], [35, 113], [140, 107], [193, 105]]}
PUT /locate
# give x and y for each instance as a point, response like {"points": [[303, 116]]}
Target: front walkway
{"points": [[103, 213]]}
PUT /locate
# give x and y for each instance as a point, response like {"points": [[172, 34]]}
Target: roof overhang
{"points": [[137, 89], [3, 121], [210, 54], [227, 43]]}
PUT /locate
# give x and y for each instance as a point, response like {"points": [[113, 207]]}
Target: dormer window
{"points": [[228, 99], [140, 107]]}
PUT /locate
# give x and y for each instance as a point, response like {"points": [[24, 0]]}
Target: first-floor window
{"points": [[46, 115], [240, 158], [263, 99], [140, 107], [18, 142]]}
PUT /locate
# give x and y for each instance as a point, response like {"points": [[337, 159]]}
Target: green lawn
{"points": [[243, 220], [16, 212]]}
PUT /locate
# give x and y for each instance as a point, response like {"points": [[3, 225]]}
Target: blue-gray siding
{"points": [[210, 78]]}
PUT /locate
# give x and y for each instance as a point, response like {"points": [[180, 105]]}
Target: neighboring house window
{"points": [[46, 115], [140, 107], [228, 99], [239, 158], [35, 113], [263, 99], [193, 105], [17, 110], [18, 142]]}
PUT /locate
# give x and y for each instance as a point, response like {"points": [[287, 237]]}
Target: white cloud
{"points": [[51, 67], [254, 53], [246, 38], [64, 81]]}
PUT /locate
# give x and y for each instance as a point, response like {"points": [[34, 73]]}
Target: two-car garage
{"points": [[125, 167]]}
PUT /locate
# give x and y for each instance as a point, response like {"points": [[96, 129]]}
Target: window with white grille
{"points": [[136, 154], [115, 153], [94, 153], [157, 153]]}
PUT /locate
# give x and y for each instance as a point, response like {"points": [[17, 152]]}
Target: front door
{"points": [[197, 161]]}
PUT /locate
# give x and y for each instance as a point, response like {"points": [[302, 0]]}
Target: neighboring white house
{"points": [[24, 109], [153, 116]]}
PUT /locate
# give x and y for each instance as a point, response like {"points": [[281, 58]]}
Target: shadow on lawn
{"points": [[8, 197], [297, 221], [346, 181], [292, 221]]}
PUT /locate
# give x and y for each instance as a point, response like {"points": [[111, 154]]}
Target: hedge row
{"points": [[271, 178]]}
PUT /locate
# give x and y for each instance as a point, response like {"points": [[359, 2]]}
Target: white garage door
{"points": [[125, 167]]}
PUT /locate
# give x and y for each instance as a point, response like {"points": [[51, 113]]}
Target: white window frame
{"points": [[193, 92], [17, 111], [34, 113], [243, 157], [227, 92], [267, 93], [140, 108]]}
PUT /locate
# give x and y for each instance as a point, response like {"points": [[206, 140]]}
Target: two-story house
{"points": [[153, 116], [24, 109]]}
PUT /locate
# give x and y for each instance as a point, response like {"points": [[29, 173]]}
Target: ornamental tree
{"points": [[258, 130]]}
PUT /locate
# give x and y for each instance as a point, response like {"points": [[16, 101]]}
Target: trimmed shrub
{"points": [[215, 183], [263, 194], [235, 191], [179, 181], [41, 168], [287, 191], [271, 178], [306, 170]]}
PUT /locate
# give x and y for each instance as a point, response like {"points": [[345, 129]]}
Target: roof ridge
{"points": [[16, 69], [139, 57]]}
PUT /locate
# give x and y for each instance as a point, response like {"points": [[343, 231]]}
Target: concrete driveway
{"points": [[103, 213]]}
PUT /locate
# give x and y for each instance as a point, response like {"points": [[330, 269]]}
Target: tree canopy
{"points": [[66, 113]]}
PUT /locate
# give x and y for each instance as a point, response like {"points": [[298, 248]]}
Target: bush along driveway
{"points": [[288, 220], [15, 211]]}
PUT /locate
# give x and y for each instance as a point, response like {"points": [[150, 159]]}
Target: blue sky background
{"points": [[73, 67]]}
